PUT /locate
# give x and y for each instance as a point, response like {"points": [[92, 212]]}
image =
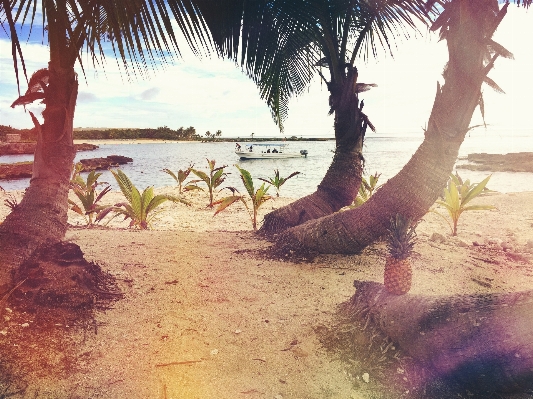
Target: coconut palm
{"points": [[319, 38], [139, 33], [467, 26]]}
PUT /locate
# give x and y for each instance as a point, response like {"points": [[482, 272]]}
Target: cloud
{"points": [[84, 97], [149, 94]]}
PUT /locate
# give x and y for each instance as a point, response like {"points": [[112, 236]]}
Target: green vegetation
{"points": [[278, 181], [366, 190], [25, 134], [258, 197], [181, 177], [140, 207], [457, 195], [215, 178], [161, 133], [86, 192]]}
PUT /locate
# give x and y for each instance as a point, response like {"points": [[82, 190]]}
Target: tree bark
{"points": [[418, 185], [41, 216], [483, 342], [341, 182]]}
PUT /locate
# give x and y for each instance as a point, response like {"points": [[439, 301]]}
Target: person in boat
{"points": [[237, 147], [251, 148], [274, 150], [268, 151]]}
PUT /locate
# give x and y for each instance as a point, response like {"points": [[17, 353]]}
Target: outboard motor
{"points": [[304, 153]]}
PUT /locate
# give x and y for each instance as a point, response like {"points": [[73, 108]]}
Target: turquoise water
{"points": [[384, 153]]}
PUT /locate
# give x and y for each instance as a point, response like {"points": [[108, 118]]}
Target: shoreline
{"points": [[131, 141]]}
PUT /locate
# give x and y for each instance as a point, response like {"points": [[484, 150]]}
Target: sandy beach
{"points": [[205, 315]]}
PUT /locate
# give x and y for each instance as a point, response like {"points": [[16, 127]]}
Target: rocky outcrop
{"points": [[85, 147], [20, 170], [513, 162], [17, 148], [29, 148], [104, 163]]}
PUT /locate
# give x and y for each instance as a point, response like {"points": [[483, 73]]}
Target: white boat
{"points": [[267, 151]]}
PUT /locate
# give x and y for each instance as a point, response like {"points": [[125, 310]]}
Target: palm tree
{"points": [[139, 33], [467, 26], [294, 41]]}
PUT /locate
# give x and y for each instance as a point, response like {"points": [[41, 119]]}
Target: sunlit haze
{"points": [[211, 94]]}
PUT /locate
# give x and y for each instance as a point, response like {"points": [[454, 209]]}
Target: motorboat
{"points": [[267, 151]]}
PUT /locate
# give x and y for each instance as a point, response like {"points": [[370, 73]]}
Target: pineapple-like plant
{"points": [[400, 242]]}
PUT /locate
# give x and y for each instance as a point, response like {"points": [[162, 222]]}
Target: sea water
{"points": [[385, 154]]}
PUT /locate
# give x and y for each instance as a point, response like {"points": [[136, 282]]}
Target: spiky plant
{"points": [[140, 208], [278, 181], [181, 177], [400, 242], [258, 197]]}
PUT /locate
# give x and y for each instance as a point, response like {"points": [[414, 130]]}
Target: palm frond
{"points": [[493, 85]]}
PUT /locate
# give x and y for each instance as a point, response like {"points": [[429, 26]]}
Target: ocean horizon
{"points": [[384, 153]]}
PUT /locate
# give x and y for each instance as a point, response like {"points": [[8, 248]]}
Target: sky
{"points": [[212, 94]]}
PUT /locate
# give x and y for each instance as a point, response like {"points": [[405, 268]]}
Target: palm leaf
{"points": [[124, 183], [155, 202], [247, 180], [493, 85], [172, 174], [476, 190], [225, 202]]}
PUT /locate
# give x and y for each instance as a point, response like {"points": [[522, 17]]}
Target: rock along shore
{"points": [[513, 162], [29, 148], [20, 170]]}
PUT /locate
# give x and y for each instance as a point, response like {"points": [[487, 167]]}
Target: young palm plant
{"points": [[140, 207], [181, 177], [278, 181], [258, 197], [86, 192], [215, 178], [457, 195], [366, 190]]}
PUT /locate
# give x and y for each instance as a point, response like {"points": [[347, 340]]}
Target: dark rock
{"points": [[18, 170], [85, 147], [17, 148], [29, 148], [513, 162], [103, 163]]}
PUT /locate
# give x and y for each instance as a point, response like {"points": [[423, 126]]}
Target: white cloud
{"points": [[212, 94]]}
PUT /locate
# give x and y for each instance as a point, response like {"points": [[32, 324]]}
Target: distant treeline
{"points": [[25, 134], [161, 133]]}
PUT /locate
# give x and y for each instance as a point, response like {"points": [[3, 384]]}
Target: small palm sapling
{"points": [[258, 197]]}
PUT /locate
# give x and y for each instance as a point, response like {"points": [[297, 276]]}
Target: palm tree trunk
{"points": [[41, 216], [341, 182], [418, 185], [484, 342]]}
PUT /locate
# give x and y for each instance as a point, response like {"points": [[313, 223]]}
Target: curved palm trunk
{"points": [[41, 216], [484, 341], [341, 182], [418, 185]]}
